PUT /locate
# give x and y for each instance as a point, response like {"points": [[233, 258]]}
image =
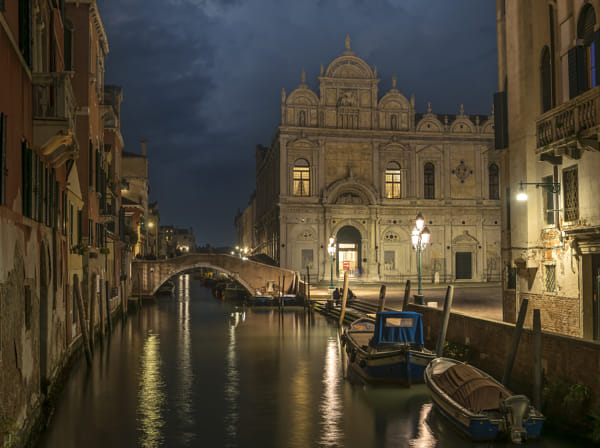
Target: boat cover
{"points": [[470, 388], [398, 327]]}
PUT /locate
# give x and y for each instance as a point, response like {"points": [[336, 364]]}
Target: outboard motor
{"points": [[515, 410]]}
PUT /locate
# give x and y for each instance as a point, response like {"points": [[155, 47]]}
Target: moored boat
{"points": [[264, 299], [388, 349], [166, 289], [479, 405]]}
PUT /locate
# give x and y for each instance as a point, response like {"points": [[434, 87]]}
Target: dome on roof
{"points": [[349, 66]]}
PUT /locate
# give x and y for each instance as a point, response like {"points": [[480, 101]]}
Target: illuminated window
{"points": [[494, 181], [429, 181], [301, 186], [392, 181]]}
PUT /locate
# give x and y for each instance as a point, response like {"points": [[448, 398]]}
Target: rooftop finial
{"points": [[321, 69], [283, 95], [462, 110], [303, 77], [348, 42], [394, 81], [428, 107]]}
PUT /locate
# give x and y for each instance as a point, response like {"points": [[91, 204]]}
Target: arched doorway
{"points": [[349, 254]]}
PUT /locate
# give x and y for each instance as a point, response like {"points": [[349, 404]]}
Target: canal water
{"points": [[194, 371]]}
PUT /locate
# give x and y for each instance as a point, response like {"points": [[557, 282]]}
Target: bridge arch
{"points": [[149, 275]]}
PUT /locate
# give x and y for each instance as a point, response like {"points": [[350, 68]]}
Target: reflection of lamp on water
{"points": [[331, 251], [420, 239]]}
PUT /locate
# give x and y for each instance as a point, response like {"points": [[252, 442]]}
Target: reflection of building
{"points": [[359, 167], [549, 82]]}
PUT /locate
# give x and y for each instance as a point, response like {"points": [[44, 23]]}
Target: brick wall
{"points": [[567, 357]]}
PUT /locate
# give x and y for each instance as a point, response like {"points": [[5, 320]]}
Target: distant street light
{"points": [[420, 239], [331, 251]]}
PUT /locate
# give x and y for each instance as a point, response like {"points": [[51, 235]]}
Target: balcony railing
{"points": [[54, 112], [564, 125], [53, 97]]}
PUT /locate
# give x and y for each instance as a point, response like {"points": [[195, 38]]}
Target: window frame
{"points": [[428, 181], [570, 188], [393, 180], [494, 187], [301, 178]]}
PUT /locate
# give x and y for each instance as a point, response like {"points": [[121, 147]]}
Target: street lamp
{"points": [[331, 250], [420, 239], [550, 187]]}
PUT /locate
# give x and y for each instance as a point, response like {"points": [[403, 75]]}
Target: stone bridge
{"points": [[149, 275]]}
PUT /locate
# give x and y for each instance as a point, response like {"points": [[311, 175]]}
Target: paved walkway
{"points": [[473, 299]]}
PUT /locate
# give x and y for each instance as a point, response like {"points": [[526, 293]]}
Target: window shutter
{"points": [[597, 55], [577, 71], [500, 120], [572, 56]]}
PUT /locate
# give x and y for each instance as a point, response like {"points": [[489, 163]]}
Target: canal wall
{"points": [[489, 342]]}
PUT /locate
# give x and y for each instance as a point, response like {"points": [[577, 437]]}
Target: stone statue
{"points": [[348, 42], [283, 95]]}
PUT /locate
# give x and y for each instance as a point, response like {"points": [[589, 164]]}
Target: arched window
{"points": [[392, 180], [394, 122], [494, 181], [585, 31], [301, 178], [546, 80], [429, 181], [302, 118], [582, 58]]}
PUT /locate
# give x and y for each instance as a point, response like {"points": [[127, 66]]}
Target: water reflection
{"points": [[151, 396], [425, 437], [232, 379], [185, 374], [331, 407]]}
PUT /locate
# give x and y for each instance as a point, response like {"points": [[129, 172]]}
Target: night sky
{"points": [[202, 81]]}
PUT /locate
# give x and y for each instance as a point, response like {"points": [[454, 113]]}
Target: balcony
{"points": [[54, 111], [570, 128], [108, 212]]}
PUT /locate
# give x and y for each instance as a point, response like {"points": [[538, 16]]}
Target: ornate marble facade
{"points": [[359, 167]]}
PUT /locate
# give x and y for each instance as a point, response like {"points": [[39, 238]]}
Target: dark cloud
{"points": [[202, 80]]}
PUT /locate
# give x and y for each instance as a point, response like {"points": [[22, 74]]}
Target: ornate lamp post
{"points": [[331, 251], [420, 239]]}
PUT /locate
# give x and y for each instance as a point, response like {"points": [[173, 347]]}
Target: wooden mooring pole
{"points": [[537, 359], [82, 320], [406, 295], [512, 354], [439, 350], [92, 316], [381, 305], [109, 317], [344, 297]]}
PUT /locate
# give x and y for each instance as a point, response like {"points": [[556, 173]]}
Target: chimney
{"points": [[143, 142]]}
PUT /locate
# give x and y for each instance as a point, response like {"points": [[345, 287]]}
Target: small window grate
{"points": [[571, 194], [550, 278]]}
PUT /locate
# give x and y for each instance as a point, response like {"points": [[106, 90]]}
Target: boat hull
{"points": [[401, 367], [478, 426]]}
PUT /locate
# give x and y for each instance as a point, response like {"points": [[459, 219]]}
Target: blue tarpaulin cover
{"points": [[398, 327]]}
